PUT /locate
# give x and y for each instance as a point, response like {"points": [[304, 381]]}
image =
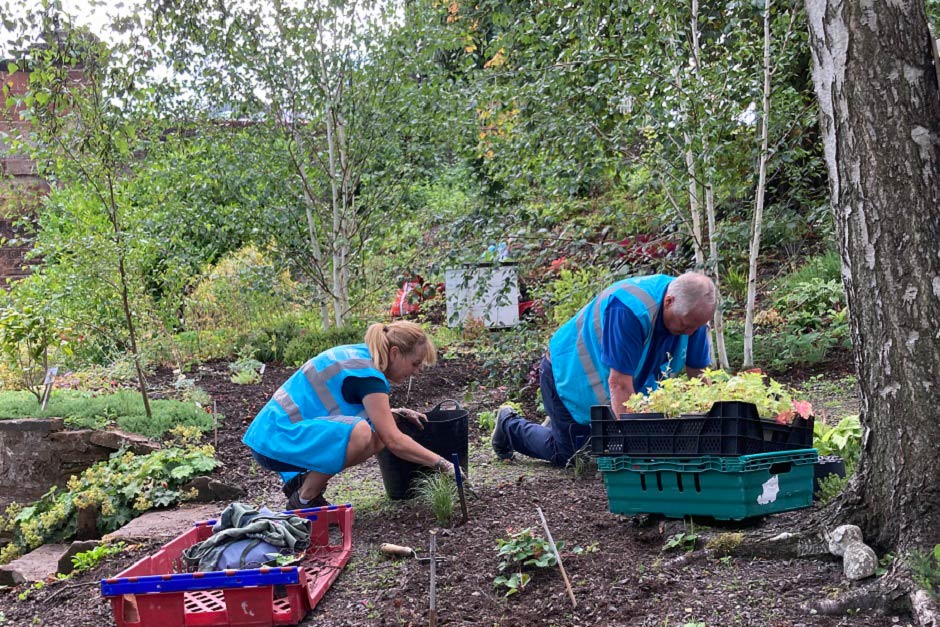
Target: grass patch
{"points": [[123, 408]]}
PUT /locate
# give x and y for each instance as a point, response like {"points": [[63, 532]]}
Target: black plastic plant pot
{"points": [[446, 433], [825, 466]]}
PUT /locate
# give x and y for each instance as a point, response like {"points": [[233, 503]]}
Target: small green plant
{"points": [[246, 370], [735, 283], [192, 393], [87, 560], [581, 463], [36, 585], [832, 486], [523, 549], [487, 420], [884, 564], [843, 439], [925, 570], [682, 540], [439, 492]]}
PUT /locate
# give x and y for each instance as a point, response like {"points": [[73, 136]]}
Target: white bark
{"points": [[720, 354], [758, 201]]}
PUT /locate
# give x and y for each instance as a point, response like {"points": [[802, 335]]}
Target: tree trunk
{"points": [[877, 89], [720, 354], [758, 202]]}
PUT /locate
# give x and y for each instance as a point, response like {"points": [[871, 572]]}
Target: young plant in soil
{"points": [[439, 493], [523, 549]]}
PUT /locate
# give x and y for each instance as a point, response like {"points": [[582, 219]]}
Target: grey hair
{"points": [[693, 290]]}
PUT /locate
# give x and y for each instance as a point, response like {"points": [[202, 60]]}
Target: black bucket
{"points": [[446, 433]]}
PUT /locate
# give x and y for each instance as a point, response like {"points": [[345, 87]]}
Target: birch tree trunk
{"points": [[758, 201], [876, 85], [720, 354]]}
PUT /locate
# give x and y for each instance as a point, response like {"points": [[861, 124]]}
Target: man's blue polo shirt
{"points": [[622, 343]]}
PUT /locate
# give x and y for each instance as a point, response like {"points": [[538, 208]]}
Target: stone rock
{"points": [[859, 561], [34, 566], [842, 536], [163, 524], [116, 439], [211, 490], [87, 527], [65, 560]]}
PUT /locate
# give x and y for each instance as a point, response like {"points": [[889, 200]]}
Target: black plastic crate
{"points": [[731, 428]]}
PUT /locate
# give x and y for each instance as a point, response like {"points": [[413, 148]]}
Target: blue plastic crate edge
{"points": [[186, 582]]}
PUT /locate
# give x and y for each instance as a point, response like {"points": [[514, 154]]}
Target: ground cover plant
{"points": [[117, 490], [122, 408]]}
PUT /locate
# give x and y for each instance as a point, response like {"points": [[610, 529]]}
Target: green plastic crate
{"points": [[726, 488]]}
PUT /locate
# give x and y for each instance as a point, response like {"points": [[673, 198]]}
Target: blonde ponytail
{"points": [[407, 336]]}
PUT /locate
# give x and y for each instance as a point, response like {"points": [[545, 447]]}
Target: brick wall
{"points": [[20, 186]]}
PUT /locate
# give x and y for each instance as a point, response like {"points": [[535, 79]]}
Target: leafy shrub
{"points": [[826, 267], [573, 289], [831, 486], [811, 304], [28, 338], [270, 342], [309, 344], [119, 489], [778, 349], [843, 439], [240, 292]]}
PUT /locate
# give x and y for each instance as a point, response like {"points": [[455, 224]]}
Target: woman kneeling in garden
{"points": [[334, 412]]}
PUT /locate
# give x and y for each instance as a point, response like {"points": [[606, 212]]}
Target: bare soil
{"points": [[623, 579]]}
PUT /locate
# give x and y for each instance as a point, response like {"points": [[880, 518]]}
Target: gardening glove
{"points": [[415, 417]]}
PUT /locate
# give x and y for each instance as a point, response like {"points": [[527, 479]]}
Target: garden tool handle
{"points": [[395, 549]]}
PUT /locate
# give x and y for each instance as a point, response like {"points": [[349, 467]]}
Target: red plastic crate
{"points": [[157, 592]]}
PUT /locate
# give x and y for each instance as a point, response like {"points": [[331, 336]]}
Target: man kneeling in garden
{"points": [[635, 333]]}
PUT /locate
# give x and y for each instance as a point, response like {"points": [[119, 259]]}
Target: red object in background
{"points": [[411, 294], [642, 247]]}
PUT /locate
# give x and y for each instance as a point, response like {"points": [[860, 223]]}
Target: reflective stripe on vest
{"points": [[587, 364], [317, 380]]}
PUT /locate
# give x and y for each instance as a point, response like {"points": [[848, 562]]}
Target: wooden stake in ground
{"points": [[561, 566], [432, 606]]}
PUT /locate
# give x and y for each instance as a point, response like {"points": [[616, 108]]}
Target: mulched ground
{"points": [[624, 579]]}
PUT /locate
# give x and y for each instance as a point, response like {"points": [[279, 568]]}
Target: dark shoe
{"points": [[294, 502], [293, 484], [501, 444]]}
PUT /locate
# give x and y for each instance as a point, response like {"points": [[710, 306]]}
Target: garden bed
{"points": [[618, 583]]}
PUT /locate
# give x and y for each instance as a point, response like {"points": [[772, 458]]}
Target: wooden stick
{"points": [[432, 608], [561, 566], [215, 425]]}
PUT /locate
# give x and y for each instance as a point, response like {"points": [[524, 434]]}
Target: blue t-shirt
{"points": [[623, 339], [357, 388]]}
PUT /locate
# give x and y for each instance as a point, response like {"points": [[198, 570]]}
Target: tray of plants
{"points": [[729, 429], [157, 591]]}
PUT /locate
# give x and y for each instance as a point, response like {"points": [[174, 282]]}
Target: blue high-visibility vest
{"points": [[580, 375], [281, 430]]}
